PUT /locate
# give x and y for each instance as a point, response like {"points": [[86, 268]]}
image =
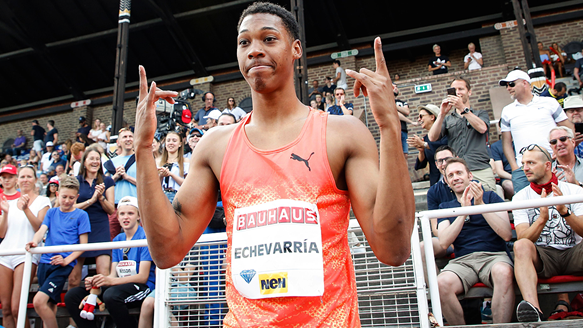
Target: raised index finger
{"points": [[380, 57], [143, 82]]}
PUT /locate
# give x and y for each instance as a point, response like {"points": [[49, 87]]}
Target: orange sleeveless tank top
{"points": [[299, 171]]}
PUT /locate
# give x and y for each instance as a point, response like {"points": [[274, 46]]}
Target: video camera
{"points": [[175, 117]]}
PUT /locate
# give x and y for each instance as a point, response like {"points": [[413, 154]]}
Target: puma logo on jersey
{"points": [[305, 161]]}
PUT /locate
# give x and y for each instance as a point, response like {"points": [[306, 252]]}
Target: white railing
{"points": [[380, 287]]}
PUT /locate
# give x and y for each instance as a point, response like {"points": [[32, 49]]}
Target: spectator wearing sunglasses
{"points": [[132, 275], [528, 120], [567, 166]]}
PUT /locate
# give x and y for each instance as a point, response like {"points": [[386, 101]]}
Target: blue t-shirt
{"points": [[137, 254], [64, 229], [123, 187], [498, 155], [476, 235], [337, 110]]}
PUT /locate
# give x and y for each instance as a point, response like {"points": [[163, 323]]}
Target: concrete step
{"points": [[421, 185], [421, 199]]}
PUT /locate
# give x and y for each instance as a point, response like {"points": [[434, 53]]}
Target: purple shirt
{"points": [[20, 140]]}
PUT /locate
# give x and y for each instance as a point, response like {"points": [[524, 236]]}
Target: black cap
{"points": [[82, 119]]}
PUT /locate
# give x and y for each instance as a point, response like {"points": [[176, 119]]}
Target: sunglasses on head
{"points": [[533, 146], [554, 141]]}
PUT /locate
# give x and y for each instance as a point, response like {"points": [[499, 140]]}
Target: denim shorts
{"points": [[404, 143]]}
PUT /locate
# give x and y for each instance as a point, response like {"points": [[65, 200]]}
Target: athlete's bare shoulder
{"points": [[347, 138], [347, 131]]}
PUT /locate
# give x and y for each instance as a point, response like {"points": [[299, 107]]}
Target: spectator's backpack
{"points": [[111, 168]]}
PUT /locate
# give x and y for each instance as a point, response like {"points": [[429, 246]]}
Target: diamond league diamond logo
{"points": [[248, 275]]}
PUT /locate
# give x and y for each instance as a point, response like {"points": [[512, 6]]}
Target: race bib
{"points": [[276, 250], [126, 268]]}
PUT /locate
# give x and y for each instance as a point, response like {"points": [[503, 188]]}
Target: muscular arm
{"points": [[386, 217], [173, 228]]}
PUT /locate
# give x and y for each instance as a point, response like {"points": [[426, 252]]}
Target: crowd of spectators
{"points": [[93, 180]]}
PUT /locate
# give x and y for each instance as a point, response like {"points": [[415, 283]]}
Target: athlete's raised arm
{"points": [[171, 229], [380, 188]]}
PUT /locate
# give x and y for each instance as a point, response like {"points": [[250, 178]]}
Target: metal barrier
{"points": [[192, 293]]}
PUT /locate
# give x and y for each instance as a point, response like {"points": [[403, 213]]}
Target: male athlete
{"points": [[288, 255]]}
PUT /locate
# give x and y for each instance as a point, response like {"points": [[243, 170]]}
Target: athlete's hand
{"points": [[378, 87], [146, 110]]}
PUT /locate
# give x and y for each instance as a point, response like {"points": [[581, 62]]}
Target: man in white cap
{"points": [[573, 107], [528, 120], [212, 119], [46, 159]]}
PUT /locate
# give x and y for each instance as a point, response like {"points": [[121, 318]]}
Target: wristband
{"points": [[566, 214]]}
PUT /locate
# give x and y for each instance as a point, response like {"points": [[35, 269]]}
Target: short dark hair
{"points": [[454, 160], [51, 122], [463, 79], [336, 61], [228, 114], [445, 147], [288, 20], [560, 86]]}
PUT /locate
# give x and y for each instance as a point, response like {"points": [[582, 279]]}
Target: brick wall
{"points": [[501, 52]]}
